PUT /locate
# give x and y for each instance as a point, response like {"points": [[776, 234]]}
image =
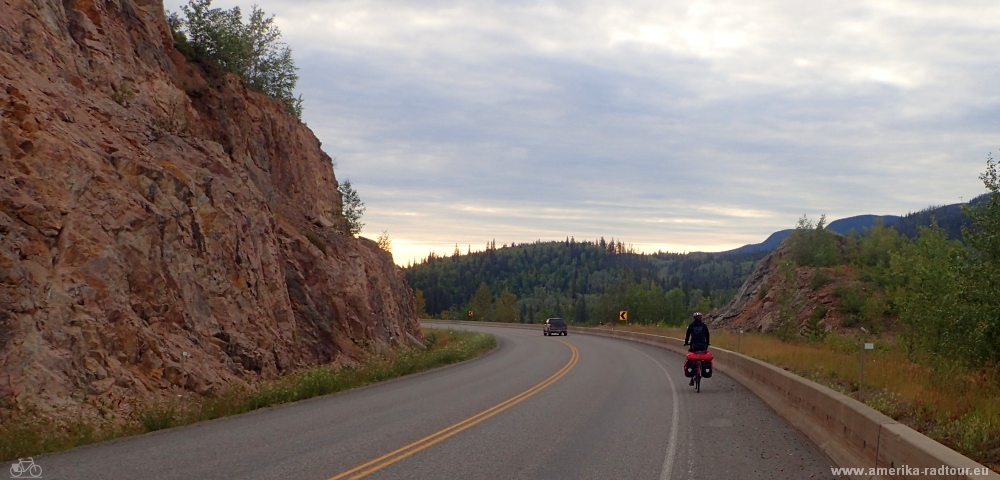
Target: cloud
{"points": [[690, 125]]}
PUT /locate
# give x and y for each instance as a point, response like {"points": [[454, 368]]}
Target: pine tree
{"points": [[352, 207]]}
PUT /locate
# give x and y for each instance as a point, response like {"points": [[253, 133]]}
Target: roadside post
{"points": [[861, 383], [739, 342]]}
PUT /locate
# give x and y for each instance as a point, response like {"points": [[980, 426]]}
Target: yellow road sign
{"points": [[470, 313], [623, 315]]}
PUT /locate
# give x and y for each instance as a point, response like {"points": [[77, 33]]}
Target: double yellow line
{"points": [[397, 455]]}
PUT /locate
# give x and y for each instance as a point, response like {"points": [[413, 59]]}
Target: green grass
{"points": [[158, 416], [37, 434], [446, 346]]}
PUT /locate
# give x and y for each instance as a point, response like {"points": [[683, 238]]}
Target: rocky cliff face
{"points": [[162, 228], [778, 291]]}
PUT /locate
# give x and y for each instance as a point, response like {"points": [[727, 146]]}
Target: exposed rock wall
{"points": [[773, 288], [150, 207]]}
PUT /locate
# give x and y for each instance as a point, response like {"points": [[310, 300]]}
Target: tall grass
{"points": [[36, 434], [945, 401], [446, 346]]}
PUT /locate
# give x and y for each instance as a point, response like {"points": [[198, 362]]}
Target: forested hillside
{"points": [[589, 282], [950, 218], [586, 282]]}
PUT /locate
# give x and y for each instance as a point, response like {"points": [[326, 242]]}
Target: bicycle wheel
{"points": [[697, 384], [35, 471]]}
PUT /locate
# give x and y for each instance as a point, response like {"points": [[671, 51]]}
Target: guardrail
{"points": [[848, 432]]}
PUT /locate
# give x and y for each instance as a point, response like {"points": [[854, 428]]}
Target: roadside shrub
{"points": [[384, 242], [819, 279], [157, 416], [813, 330], [873, 251], [852, 297], [928, 299], [874, 311], [786, 326], [980, 273], [814, 245]]}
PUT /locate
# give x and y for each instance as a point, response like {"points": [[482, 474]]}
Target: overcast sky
{"points": [[675, 126]]}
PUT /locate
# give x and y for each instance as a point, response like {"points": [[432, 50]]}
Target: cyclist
{"points": [[697, 336]]}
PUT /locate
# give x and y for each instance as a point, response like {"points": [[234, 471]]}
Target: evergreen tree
{"points": [[352, 208]]}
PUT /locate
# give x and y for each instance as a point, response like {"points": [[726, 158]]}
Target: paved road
{"points": [[537, 407]]}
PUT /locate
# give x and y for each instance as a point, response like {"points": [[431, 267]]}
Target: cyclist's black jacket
{"points": [[697, 336]]}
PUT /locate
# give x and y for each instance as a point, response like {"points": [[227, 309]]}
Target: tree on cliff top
{"points": [[353, 208], [250, 50]]}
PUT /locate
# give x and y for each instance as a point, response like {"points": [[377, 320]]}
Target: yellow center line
{"points": [[401, 453]]}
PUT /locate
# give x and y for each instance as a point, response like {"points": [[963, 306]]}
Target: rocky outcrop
{"points": [[748, 308], [776, 288], [163, 228]]}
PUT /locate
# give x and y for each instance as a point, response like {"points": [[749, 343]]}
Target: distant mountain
{"points": [[771, 243], [949, 217], [859, 223]]}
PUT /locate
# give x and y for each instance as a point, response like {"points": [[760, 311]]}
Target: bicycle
{"points": [[697, 376], [698, 366]]}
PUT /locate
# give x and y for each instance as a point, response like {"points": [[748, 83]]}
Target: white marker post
{"points": [[861, 385]]}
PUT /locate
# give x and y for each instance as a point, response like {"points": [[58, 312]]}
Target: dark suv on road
{"points": [[554, 326]]}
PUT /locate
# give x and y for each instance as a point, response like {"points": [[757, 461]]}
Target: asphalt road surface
{"points": [[538, 407]]}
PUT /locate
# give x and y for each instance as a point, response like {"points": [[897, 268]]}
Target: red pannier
{"points": [[706, 364]]}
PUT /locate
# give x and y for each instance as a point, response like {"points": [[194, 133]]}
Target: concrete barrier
{"points": [[848, 432]]}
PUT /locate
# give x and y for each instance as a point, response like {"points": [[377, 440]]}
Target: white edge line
{"points": [[668, 462]]}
